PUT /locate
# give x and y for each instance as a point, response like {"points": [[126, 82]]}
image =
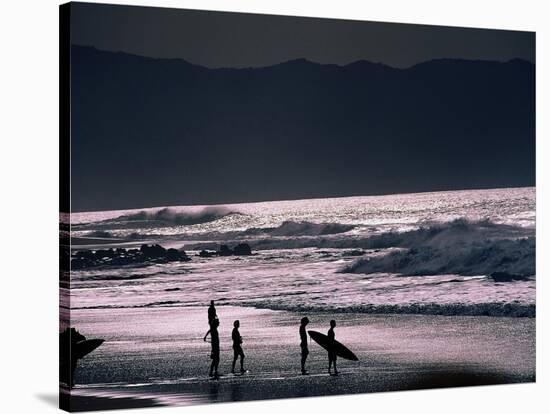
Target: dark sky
{"points": [[219, 39], [151, 132]]}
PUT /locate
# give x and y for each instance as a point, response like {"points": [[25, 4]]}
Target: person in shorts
{"points": [[237, 347], [215, 341]]}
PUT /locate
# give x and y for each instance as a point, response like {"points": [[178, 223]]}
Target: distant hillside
{"points": [[150, 132]]}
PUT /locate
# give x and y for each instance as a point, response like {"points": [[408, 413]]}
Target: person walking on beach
{"points": [[331, 351], [212, 314], [303, 343], [237, 347], [215, 354]]}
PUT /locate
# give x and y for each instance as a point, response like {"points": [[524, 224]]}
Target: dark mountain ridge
{"points": [[151, 132]]}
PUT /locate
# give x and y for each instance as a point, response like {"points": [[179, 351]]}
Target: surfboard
{"points": [[83, 348], [340, 349]]}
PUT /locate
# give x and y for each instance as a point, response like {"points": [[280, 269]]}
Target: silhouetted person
{"points": [[237, 347], [303, 343], [215, 354], [212, 313], [331, 351], [67, 359]]}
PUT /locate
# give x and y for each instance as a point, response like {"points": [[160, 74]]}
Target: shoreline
{"points": [[157, 356]]}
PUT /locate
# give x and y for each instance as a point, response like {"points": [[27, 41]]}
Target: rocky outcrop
{"points": [[154, 253], [225, 251], [241, 249]]}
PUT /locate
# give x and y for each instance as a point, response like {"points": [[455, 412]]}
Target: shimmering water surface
{"points": [[409, 253]]}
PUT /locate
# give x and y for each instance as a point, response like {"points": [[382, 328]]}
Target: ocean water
{"points": [[409, 253]]}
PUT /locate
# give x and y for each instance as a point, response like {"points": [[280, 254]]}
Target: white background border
{"points": [[29, 191]]}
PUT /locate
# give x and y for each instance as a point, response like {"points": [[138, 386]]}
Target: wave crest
{"points": [[459, 247], [164, 217], [449, 234], [171, 216], [297, 235]]}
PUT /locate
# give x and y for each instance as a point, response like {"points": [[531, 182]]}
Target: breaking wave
{"points": [[298, 235], [459, 247], [164, 217], [449, 234], [515, 257], [173, 217]]}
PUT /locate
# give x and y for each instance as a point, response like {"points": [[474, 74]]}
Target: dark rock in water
{"points": [[242, 249], [206, 253], [85, 254], [507, 277], [153, 251], [82, 259], [99, 254], [120, 257], [225, 251], [173, 255], [78, 263]]}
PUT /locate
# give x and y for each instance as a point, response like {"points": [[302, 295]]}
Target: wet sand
{"points": [[156, 356]]}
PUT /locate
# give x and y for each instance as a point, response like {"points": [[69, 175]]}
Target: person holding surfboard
{"points": [[303, 343], [237, 347], [215, 341], [73, 346], [332, 348]]}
